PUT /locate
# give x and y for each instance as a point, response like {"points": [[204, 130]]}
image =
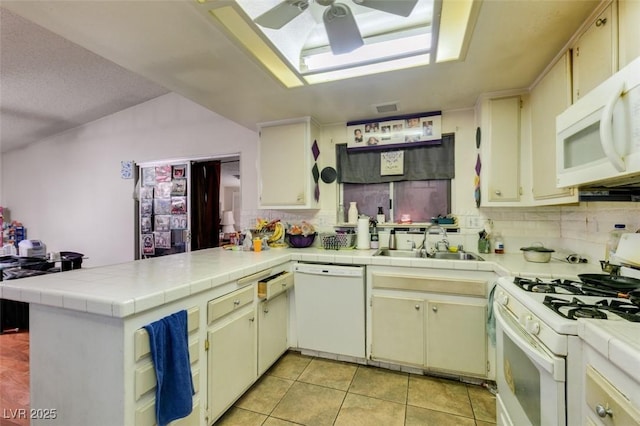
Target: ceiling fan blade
{"points": [[396, 7], [342, 30], [280, 15]]}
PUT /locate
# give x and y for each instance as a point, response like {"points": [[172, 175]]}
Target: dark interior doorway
{"points": [[205, 205]]}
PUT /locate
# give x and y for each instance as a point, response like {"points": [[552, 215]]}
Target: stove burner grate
{"points": [[558, 286], [575, 308]]}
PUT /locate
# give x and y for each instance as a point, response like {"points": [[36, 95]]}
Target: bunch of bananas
{"points": [[278, 233]]}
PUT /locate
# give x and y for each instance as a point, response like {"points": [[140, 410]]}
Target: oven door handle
{"points": [[528, 345]]}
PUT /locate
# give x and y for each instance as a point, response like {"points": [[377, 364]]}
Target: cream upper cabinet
{"points": [[595, 52], [550, 97], [465, 353], [286, 162], [500, 125], [629, 31]]}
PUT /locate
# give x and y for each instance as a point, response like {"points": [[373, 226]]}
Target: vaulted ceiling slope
{"points": [[49, 84], [114, 54]]}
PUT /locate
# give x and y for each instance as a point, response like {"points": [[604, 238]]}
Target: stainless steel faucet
{"points": [[443, 241]]}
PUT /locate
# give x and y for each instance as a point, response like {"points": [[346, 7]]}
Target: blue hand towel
{"points": [[168, 339]]}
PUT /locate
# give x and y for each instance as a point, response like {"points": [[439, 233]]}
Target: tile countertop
{"points": [[617, 341], [129, 288]]}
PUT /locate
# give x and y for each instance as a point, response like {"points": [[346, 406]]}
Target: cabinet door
{"points": [[286, 164], [504, 142], [594, 54], [398, 330], [273, 319], [231, 360], [629, 31], [548, 99], [457, 338]]}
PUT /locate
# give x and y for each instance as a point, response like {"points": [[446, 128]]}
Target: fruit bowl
{"points": [[300, 240]]}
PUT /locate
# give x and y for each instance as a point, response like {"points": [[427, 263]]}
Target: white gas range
{"points": [[538, 349]]}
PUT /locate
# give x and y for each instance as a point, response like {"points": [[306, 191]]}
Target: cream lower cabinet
{"points": [[273, 320], [231, 349], [398, 330], [435, 322], [456, 337]]}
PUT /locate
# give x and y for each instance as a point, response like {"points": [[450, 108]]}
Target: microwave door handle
{"points": [[606, 131]]}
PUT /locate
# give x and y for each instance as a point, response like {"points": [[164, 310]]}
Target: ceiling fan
{"points": [[342, 30]]}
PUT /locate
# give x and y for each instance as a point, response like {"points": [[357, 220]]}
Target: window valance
{"points": [[420, 163]]}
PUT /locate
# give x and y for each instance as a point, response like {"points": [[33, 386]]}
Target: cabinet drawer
{"points": [[145, 375], [601, 393], [223, 305], [430, 284], [146, 415], [141, 337], [272, 286]]}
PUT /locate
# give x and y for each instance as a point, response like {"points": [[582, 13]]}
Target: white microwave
{"points": [[598, 137]]}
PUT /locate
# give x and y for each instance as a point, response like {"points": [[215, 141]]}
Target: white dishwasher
{"points": [[330, 308]]}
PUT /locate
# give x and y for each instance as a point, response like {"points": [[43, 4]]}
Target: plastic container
{"points": [[614, 238], [353, 212], [498, 244]]}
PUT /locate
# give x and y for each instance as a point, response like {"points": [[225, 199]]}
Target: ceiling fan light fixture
{"points": [[342, 29]]}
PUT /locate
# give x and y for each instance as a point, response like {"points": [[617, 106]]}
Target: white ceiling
{"points": [[50, 83]]}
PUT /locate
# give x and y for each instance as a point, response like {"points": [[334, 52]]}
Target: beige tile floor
{"points": [[303, 390]]}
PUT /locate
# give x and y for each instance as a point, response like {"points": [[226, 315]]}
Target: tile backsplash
{"points": [[582, 228]]}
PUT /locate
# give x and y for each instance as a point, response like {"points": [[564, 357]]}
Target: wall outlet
{"points": [[474, 222]]}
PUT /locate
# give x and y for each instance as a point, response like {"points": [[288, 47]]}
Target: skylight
{"points": [[305, 35]]}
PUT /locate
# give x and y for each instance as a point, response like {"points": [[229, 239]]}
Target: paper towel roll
{"points": [[363, 233]]}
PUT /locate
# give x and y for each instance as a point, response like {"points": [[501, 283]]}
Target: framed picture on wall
{"points": [[393, 132]]}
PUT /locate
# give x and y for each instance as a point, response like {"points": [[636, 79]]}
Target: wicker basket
{"points": [[338, 241]]}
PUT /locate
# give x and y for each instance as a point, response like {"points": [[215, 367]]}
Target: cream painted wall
{"points": [[67, 189]]}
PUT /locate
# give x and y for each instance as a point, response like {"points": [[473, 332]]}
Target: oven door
{"points": [[531, 380]]}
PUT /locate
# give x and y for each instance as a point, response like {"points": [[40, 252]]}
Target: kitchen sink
{"points": [[397, 253], [461, 255]]}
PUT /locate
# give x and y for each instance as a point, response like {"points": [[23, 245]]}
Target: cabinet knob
{"points": [[434, 309], [252, 319], [603, 412], [498, 192], [600, 22], [266, 311], [417, 307], [236, 302]]}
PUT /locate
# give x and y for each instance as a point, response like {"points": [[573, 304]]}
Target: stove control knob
{"points": [[524, 320], [533, 327], [503, 299]]}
